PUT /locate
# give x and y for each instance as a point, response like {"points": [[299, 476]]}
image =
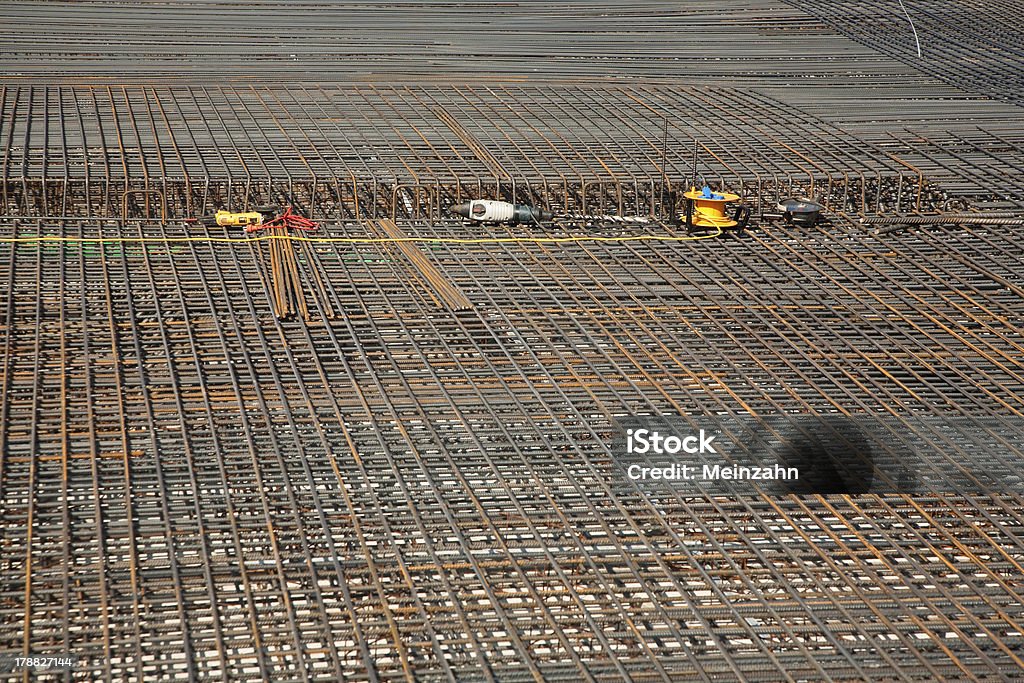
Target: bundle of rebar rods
{"points": [[286, 283], [436, 286]]}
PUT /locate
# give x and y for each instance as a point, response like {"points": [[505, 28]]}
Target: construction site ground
{"points": [[383, 449]]}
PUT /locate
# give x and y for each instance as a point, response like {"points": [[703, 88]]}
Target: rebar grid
{"points": [[983, 163], [745, 41], [395, 151], [393, 461], [974, 46], [192, 486]]}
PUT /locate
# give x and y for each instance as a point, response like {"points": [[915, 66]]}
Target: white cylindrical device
{"points": [[491, 211]]}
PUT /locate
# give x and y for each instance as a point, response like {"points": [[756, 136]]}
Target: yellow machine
{"points": [[231, 219], [239, 219], [706, 209]]}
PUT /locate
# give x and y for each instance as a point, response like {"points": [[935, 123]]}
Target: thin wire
{"points": [[359, 240], [911, 21]]}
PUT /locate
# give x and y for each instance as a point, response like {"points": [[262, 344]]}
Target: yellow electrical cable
{"points": [[359, 240]]}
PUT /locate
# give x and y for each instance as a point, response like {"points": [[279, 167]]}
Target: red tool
{"points": [[289, 220]]}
